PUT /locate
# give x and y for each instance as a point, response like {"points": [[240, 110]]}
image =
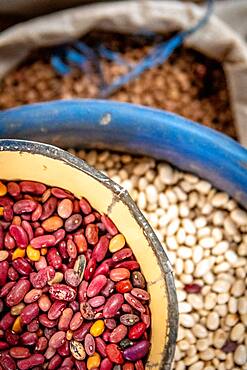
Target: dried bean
{"points": [[65, 319], [113, 304], [19, 352], [114, 354], [57, 339], [18, 292], [118, 334], [34, 360], [33, 295], [24, 206], [129, 319], [29, 313], [56, 310], [73, 222], [62, 292], [29, 339], [96, 285], [137, 351]]}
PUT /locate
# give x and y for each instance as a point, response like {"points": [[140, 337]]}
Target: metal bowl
{"points": [[40, 162]]}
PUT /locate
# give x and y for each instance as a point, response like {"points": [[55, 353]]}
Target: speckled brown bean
{"points": [[73, 222]]}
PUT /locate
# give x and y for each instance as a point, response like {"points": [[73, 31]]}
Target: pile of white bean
{"points": [[205, 235]]}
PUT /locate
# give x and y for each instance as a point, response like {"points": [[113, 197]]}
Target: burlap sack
{"points": [[216, 39]]}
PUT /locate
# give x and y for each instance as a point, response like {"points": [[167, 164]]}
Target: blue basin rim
{"points": [[137, 130]]}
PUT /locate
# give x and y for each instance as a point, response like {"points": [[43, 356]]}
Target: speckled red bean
{"points": [[65, 318], [118, 333], [140, 294], [42, 344], [100, 346], [87, 311], [108, 289], [44, 303], [73, 222], [22, 266], [20, 235], [92, 234], [55, 362], [76, 321], [96, 285], [82, 291], [96, 301], [138, 351], [40, 279], [62, 292], [113, 304], [34, 360], [129, 319], [134, 302], [7, 362], [32, 296], [29, 339], [43, 241], [89, 344], [57, 339], [54, 259], [18, 292], [110, 323], [12, 274], [29, 313], [41, 264], [9, 242], [24, 206], [56, 310], [114, 354], [72, 278], [33, 326], [11, 337], [106, 364], [32, 187], [109, 225], [19, 352], [71, 249], [13, 189], [6, 288]]}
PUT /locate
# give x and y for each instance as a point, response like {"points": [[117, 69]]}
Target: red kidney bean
{"points": [[89, 344], [29, 313], [124, 286], [106, 364], [81, 242], [39, 232], [44, 303], [42, 344], [129, 319], [80, 333], [33, 295], [140, 294], [128, 366], [71, 249], [49, 208], [54, 259], [193, 288], [11, 337], [65, 318], [103, 269], [55, 362], [7, 362], [134, 302], [82, 291], [73, 222], [96, 285], [100, 346], [57, 339], [137, 330], [41, 264], [33, 326], [62, 292], [89, 219], [129, 265], [24, 206], [80, 365], [61, 194], [37, 213], [3, 346], [29, 339], [1, 237], [59, 235], [97, 301], [22, 266], [108, 289], [9, 242], [106, 335], [138, 280], [4, 266], [62, 248], [91, 234], [56, 310], [20, 235], [6, 288], [101, 248], [76, 321], [49, 353], [43, 241], [8, 213], [85, 206], [110, 323], [139, 365], [90, 269], [64, 350], [119, 274], [18, 292], [65, 208], [138, 351], [13, 189], [109, 225], [12, 273], [28, 229], [67, 363], [45, 321], [7, 321], [34, 360], [32, 187], [75, 306], [19, 352], [127, 308], [118, 333], [114, 354], [122, 254], [113, 304]]}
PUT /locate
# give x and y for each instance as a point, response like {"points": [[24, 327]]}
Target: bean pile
{"points": [[204, 232], [72, 295], [183, 84]]}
